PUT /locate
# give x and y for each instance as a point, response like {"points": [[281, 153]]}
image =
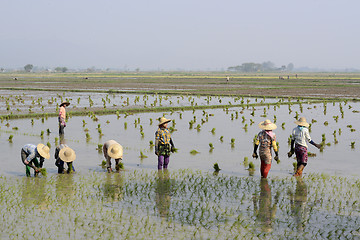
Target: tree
{"points": [[28, 67], [268, 66], [290, 67], [61, 69]]}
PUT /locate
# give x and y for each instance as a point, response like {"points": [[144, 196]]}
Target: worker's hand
{"points": [[318, 145], [172, 149], [277, 158], [37, 169], [290, 153], [254, 155], [156, 153]]}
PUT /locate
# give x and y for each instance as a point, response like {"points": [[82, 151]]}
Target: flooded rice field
{"points": [[22, 102], [188, 201]]}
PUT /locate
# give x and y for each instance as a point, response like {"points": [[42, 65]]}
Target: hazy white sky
{"points": [[187, 34]]}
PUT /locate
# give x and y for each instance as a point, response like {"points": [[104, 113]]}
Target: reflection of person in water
{"points": [[65, 188], [34, 193], [298, 203], [114, 187], [163, 193], [265, 212]]}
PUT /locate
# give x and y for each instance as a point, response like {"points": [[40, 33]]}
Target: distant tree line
{"points": [[260, 67]]}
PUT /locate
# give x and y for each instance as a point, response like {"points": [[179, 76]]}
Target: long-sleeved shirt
{"points": [[57, 150], [32, 153], [301, 135], [62, 112], [162, 137]]}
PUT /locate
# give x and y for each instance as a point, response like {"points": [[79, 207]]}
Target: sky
{"points": [[186, 34]]}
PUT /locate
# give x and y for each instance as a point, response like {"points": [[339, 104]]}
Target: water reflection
{"points": [[34, 193], [298, 202], [264, 210], [65, 188], [113, 187], [163, 192]]}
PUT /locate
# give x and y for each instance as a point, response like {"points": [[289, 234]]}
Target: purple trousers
{"points": [[163, 161]]}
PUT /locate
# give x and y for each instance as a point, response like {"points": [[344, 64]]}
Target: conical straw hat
{"points": [[43, 150], [267, 125], [66, 154], [66, 103], [115, 151], [163, 120], [302, 122]]}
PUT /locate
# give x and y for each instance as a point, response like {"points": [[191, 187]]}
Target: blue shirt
{"points": [[31, 151]]}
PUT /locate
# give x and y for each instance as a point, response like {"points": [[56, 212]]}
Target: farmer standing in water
{"points": [[300, 135]]}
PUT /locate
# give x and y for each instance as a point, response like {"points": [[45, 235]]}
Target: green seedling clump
{"points": [[216, 167], [193, 152], [43, 172]]}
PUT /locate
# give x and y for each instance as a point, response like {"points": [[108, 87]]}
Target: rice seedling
{"points": [[48, 144], [352, 144], [42, 134], [194, 152], [125, 125], [119, 166], [142, 155], [216, 167], [213, 131], [221, 139], [10, 139], [88, 137], [211, 146], [99, 148], [246, 160], [251, 166]]}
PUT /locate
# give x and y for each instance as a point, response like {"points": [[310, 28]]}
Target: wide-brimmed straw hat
{"points": [[115, 151], [302, 122], [163, 120], [66, 154], [43, 150], [267, 125], [66, 103]]}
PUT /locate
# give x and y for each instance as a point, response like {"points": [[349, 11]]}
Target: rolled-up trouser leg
{"points": [[264, 169], [160, 161], [166, 161], [108, 162]]}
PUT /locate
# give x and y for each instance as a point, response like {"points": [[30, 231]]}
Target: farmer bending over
{"points": [[29, 155], [64, 154], [112, 149]]}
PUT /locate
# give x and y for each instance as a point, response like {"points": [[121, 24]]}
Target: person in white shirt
{"points": [[299, 137]]}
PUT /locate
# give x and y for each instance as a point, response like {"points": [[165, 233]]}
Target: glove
{"points": [[254, 155], [276, 157], [290, 153]]}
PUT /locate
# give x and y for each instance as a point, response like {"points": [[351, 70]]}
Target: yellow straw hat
{"points": [[66, 154], [115, 151], [43, 150], [302, 122], [267, 125], [163, 120]]}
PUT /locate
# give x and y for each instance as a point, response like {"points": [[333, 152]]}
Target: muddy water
{"points": [[336, 159]]}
